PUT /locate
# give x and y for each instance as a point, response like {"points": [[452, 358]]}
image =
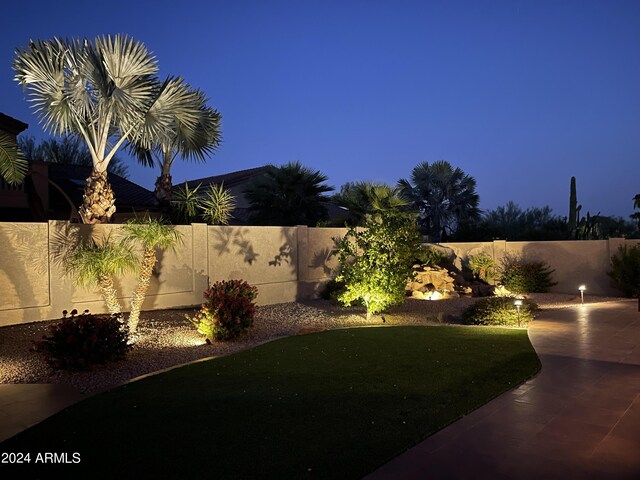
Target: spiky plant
{"points": [[150, 234], [185, 203], [216, 205], [13, 166], [105, 91], [95, 263]]}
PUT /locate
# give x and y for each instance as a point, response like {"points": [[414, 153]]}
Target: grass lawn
{"points": [[333, 405]]}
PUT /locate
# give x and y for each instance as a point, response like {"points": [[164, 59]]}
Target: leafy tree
{"points": [[445, 196], [105, 91], [625, 270], [364, 198], [194, 135], [375, 262], [13, 165], [288, 195], [151, 234], [68, 150]]}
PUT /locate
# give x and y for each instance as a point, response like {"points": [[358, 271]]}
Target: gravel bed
{"points": [[167, 339]]}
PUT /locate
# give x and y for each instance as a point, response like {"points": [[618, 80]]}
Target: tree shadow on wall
{"points": [[227, 239], [322, 258], [287, 252]]}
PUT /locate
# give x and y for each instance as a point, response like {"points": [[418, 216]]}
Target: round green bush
{"points": [[525, 275], [625, 270], [499, 311]]}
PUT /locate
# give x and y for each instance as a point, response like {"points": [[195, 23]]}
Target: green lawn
{"points": [[331, 405]]}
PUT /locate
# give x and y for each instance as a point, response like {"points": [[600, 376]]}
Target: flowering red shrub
{"points": [[82, 340], [228, 312]]}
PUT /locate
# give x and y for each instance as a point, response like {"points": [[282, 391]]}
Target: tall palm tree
{"points": [[636, 215], [68, 150], [445, 197], [106, 92], [288, 195], [13, 165], [194, 135], [363, 198], [151, 234]]}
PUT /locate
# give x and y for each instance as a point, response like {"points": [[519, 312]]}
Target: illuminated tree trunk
{"points": [[163, 189], [98, 202], [144, 279], [109, 293]]}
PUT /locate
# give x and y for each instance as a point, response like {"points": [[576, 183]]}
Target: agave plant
{"points": [[13, 166], [194, 135], [151, 234], [107, 93]]}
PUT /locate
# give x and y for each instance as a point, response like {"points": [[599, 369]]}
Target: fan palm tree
{"points": [[151, 234], [194, 135], [68, 150], [363, 198], [13, 165], [288, 195], [445, 197], [107, 93]]}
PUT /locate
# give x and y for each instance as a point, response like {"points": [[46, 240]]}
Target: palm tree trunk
{"points": [[110, 295], [144, 278], [163, 189], [98, 202]]}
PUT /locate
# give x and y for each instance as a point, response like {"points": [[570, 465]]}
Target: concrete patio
{"points": [[578, 418]]}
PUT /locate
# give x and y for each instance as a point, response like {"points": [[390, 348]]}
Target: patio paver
{"points": [[578, 418]]}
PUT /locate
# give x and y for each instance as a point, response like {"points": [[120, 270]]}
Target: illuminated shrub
{"points": [[80, 341], [375, 261], [498, 311], [482, 266], [625, 270], [523, 275], [228, 311]]}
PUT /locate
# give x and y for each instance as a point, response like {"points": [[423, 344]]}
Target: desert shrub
{"points": [[498, 311], [228, 311], [80, 341], [375, 262], [625, 270], [482, 266], [520, 274]]}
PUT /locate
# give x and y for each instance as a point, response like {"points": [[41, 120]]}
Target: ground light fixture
{"points": [[518, 303], [582, 288]]}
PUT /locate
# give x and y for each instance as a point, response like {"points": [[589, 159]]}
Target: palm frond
{"points": [[152, 233], [13, 165]]}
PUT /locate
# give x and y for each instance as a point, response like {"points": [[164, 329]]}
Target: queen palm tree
{"points": [[13, 165], [445, 197], [194, 134], [288, 195], [107, 93], [151, 234]]}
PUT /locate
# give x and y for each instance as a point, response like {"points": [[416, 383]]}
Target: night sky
{"points": [[519, 94]]}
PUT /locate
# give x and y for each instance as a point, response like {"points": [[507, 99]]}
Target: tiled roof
{"points": [[11, 125], [228, 179]]}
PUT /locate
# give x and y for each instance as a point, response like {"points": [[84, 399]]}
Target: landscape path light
{"points": [[582, 288], [518, 304]]}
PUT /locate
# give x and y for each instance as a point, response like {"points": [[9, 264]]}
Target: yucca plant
{"points": [[96, 263], [13, 166], [150, 234], [216, 205], [105, 91], [185, 203]]}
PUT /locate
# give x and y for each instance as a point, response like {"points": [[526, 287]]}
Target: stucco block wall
{"points": [[285, 263]]}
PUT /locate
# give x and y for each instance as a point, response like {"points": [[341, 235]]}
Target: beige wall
{"points": [[285, 263]]}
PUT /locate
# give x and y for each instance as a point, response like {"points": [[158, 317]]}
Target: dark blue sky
{"points": [[519, 94]]}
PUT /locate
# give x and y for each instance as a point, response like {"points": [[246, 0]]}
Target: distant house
{"points": [[237, 183], [53, 191]]}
